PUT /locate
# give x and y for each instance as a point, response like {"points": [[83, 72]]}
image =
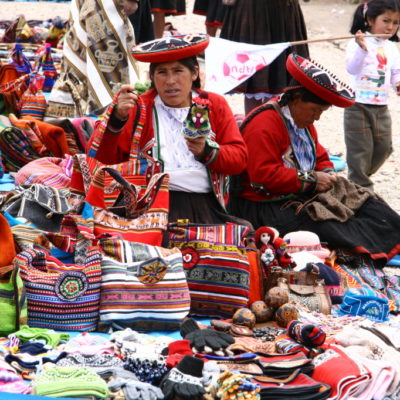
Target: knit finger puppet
{"points": [[237, 386], [197, 123], [310, 335]]}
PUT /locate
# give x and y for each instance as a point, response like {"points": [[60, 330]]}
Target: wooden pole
{"points": [[328, 39]]}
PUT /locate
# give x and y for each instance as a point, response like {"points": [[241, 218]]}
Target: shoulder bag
{"points": [[216, 266]]}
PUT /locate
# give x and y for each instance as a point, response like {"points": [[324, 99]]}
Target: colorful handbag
{"points": [[63, 297], [33, 102], [47, 68], [134, 216], [216, 266], [143, 287], [13, 307], [302, 287]]}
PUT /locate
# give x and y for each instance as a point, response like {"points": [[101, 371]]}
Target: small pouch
{"points": [[240, 330]]}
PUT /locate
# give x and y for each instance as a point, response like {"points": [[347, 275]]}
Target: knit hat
{"points": [[171, 48], [307, 334], [305, 241], [319, 81], [364, 302]]}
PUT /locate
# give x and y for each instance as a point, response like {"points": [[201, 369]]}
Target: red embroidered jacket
{"points": [[268, 177], [229, 155]]}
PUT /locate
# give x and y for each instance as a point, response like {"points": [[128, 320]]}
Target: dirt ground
{"points": [[324, 18]]}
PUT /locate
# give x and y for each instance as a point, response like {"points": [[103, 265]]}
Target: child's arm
{"points": [[395, 70], [356, 53], [360, 40]]}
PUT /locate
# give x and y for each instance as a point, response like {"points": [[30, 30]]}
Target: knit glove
{"points": [[185, 380], [205, 340], [142, 391]]}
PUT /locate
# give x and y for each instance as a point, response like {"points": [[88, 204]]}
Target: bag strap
{"points": [[134, 204], [137, 130]]}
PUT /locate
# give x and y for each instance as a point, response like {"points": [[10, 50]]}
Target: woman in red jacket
{"points": [[189, 133], [290, 182]]}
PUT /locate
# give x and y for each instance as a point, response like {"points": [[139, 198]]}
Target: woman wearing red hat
{"points": [[290, 183], [191, 133]]}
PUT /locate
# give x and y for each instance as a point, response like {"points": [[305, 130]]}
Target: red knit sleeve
{"points": [[267, 141]]}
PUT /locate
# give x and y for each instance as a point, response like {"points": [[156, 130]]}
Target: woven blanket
{"points": [[97, 48]]}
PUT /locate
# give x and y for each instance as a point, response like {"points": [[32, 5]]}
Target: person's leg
{"points": [[158, 24], [211, 30], [359, 144], [382, 137]]}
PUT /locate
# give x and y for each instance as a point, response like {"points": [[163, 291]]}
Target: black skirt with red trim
{"points": [[214, 11], [169, 7], [374, 229]]}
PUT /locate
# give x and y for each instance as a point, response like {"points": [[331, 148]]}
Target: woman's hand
{"points": [[197, 146], [325, 180], [127, 99], [360, 39]]}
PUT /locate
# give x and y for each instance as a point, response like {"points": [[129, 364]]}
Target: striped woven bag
{"points": [[135, 216], [63, 297], [143, 287], [33, 102], [216, 266]]}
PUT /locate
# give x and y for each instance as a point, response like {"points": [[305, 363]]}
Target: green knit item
{"points": [[70, 382], [53, 338]]}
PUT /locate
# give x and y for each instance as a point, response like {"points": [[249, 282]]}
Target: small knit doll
{"points": [[309, 335], [264, 238], [197, 123]]}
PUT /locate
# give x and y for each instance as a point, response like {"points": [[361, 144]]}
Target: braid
{"points": [[254, 113]]}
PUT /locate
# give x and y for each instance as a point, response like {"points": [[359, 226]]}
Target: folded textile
{"points": [[70, 381], [281, 366], [344, 375], [297, 386]]}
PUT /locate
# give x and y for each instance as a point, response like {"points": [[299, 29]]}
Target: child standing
{"points": [[374, 63]]}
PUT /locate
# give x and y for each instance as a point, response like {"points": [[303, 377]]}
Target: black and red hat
{"points": [[319, 81], [171, 48]]}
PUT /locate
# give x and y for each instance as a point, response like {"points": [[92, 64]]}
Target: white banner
{"points": [[230, 63]]}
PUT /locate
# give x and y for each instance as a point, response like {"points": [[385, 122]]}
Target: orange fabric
{"points": [[8, 73], [256, 277], [53, 137], [7, 248]]}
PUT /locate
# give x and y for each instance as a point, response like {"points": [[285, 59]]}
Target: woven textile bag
{"points": [[33, 102], [143, 287], [138, 170], [47, 68], [216, 266], [13, 306], [134, 217], [302, 287], [43, 206], [61, 296]]}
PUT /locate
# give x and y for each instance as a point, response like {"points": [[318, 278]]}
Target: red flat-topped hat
{"points": [[319, 81], [171, 48]]}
